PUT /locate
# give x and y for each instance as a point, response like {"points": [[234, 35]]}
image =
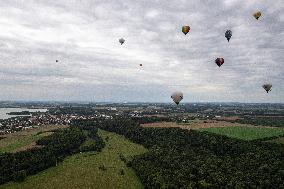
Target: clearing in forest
{"points": [[193, 124], [23, 140], [103, 169]]}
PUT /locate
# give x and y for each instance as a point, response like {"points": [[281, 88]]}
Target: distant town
{"points": [[64, 113]]}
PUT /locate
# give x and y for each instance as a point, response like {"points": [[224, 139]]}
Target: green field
{"points": [[246, 133], [82, 170], [25, 139], [12, 144]]}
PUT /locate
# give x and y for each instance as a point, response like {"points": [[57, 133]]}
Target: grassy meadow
{"points": [[94, 170], [246, 133], [13, 144], [25, 139]]}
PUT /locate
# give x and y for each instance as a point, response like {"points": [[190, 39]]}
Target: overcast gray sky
{"points": [[83, 35]]}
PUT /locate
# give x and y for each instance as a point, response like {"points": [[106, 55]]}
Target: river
{"points": [[4, 111]]}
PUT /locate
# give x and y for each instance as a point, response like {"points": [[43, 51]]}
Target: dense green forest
{"points": [[16, 166], [191, 159], [142, 120], [176, 158]]}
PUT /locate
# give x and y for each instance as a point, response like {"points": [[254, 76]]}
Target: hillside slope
{"points": [[90, 170]]}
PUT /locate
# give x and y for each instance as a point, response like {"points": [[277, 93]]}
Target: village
{"points": [[63, 114]]}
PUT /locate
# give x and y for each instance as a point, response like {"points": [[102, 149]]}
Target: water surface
{"points": [[4, 111]]}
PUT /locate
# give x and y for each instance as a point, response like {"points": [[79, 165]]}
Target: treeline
{"points": [[16, 166], [142, 120], [191, 159], [92, 133], [265, 121]]}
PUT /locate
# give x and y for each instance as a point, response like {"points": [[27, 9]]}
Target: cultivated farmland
{"points": [[193, 124]]}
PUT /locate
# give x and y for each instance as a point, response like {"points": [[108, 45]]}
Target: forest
{"points": [[191, 159], [176, 158], [55, 147], [142, 120]]}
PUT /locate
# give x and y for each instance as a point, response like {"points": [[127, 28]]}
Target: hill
{"points": [[103, 169]]}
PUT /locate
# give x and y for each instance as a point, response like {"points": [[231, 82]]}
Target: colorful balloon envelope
{"points": [[267, 87], [257, 14], [121, 41], [185, 29], [177, 97], [219, 61], [228, 35]]}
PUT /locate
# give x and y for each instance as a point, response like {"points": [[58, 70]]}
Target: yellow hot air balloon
{"points": [[257, 14], [185, 29]]}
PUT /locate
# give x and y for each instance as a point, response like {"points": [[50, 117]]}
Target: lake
{"points": [[4, 111]]}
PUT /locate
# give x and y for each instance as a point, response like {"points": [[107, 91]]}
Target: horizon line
{"points": [[132, 102]]}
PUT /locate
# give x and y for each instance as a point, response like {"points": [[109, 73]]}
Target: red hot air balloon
{"points": [[219, 61]]}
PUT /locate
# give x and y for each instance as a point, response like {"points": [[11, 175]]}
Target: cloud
{"points": [[83, 36]]}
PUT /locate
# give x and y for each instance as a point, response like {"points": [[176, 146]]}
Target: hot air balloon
{"points": [[267, 87], [228, 35], [185, 29], [257, 14], [56, 60], [177, 97], [121, 41], [140, 64], [219, 61]]}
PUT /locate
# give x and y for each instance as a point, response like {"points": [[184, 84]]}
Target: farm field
{"points": [[83, 170], [193, 124], [25, 139], [246, 133]]}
